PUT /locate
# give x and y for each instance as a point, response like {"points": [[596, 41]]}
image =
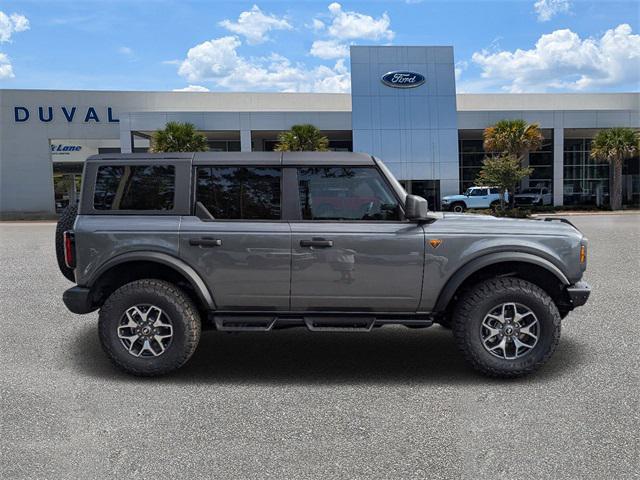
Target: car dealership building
{"points": [[429, 136]]}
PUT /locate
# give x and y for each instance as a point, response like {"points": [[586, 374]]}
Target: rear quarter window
{"points": [[135, 187]]}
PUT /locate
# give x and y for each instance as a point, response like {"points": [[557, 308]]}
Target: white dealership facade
{"points": [[428, 135]]}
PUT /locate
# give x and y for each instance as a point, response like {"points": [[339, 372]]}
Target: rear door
{"points": [[351, 248], [244, 251]]}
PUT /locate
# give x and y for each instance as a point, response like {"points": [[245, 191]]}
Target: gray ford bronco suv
{"points": [[166, 245]]}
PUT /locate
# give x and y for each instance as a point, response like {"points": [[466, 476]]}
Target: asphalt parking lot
{"points": [[394, 403]]}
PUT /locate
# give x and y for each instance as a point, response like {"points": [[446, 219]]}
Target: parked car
{"points": [[165, 245], [473, 197], [534, 196]]}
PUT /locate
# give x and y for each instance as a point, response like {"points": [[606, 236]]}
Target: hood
{"points": [[527, 195], [488, 224]]}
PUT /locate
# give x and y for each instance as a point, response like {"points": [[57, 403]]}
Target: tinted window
{"points": [[240, 193], [494, 191], [477, 192], [357, 193], [135, 187]]}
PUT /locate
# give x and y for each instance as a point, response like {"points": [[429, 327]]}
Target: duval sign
{"points": [[47, 114], [403, 79]]}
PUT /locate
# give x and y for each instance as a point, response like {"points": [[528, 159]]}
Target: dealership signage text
{"points": [[403, 79], [47, 114]]}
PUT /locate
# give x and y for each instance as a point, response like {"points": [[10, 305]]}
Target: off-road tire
{"points": [[174, 302], [495, 205], [479, 300], [65, 222], [461, 205]]}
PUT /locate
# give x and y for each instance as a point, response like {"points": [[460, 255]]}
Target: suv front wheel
{"points": [[149, 327], [506, 327]]}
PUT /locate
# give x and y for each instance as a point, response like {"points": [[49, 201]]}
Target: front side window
{"points": [[239, 193], [350, 193], [135, 187], [476, 192]]}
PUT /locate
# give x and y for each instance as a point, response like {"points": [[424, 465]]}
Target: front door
{"points": [[244, 251], [351, 250]]}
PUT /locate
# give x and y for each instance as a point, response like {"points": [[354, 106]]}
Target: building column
{"points": [[245, 140], [126, 140], [558, 166]]}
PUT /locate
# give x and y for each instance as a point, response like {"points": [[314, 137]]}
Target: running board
{"points": [[337, 324], [244, 323], [316, 322]]}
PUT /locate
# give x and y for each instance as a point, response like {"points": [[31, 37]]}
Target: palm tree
{"points": [[615, 145], [514, 139], [178, 137], [302, 138]]}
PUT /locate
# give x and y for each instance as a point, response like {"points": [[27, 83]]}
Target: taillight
{"points": [[69, 249]]}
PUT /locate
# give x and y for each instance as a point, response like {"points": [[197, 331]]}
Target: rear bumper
{"points": [[78, 300], [578, 293]]}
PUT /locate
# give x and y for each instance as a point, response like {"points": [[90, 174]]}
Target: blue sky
{"points": [[508, 46]]}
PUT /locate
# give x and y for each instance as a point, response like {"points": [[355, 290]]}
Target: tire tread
{"points": [[480, 292], [171, 293]]}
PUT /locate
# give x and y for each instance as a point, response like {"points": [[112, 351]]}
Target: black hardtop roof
{"points": [[241, 158]]}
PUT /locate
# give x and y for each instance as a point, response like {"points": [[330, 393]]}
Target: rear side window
{"points": [[240, 193], [135, 187], [352, 193], [494, 191]]}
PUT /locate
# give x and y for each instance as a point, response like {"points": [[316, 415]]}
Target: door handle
{"points": [[205, 242], [317, 242]]}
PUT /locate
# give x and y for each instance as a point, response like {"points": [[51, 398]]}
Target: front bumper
{"points": [[78, 300], [578, 293]]}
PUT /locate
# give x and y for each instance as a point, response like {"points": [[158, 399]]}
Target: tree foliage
{"points": [[302, 138], [504, 172], [515, 138], [178, 137], [615, 145]]}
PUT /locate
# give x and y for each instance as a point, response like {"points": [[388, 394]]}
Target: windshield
{"points": [[531, 190]]}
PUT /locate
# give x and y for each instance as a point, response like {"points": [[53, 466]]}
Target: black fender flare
{"points": [[164, 259], [454, 282]]}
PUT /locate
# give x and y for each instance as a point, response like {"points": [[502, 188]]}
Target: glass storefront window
{"points": [[586, 181], [472, 154]]}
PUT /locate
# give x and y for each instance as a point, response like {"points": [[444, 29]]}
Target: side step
{"points": [[338, 324], [315, 322], [244, 323]]}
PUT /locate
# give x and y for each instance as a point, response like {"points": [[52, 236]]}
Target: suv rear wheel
{"points": [[506, 327], [149, 327]]}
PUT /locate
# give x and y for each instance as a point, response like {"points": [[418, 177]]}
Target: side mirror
{"points": [[416, 208]]}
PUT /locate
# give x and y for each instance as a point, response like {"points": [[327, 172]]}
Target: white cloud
{"points": [[547, 9], [10, 24], [347, 25], [255, 24], [192, 88], [317, 25], [6, 70], [561, 60], [328, 49], [127, 51], [218, 61]]}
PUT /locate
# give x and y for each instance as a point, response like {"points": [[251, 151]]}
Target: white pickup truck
{"points": [[474, 197]]}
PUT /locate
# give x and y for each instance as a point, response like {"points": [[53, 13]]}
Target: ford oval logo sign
{"points": [[401, 79]]}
